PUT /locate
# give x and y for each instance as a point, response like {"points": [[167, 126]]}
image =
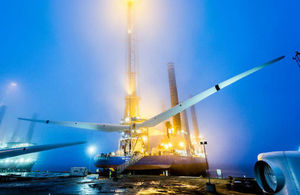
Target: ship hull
{"points": [[110, 161], [153, 165]]}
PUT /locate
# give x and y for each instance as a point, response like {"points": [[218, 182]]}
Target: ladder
{"points": [[128, 163]]}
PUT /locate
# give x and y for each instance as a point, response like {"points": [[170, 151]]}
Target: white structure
{"points": [[279, 172], [79, 171]]}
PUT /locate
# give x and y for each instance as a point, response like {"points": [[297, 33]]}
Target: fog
{"points": [[69, 61]]}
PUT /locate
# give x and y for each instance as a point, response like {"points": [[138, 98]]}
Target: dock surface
{"points": [[125, 185]]}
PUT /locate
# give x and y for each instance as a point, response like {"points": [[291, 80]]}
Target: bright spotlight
{"points": [[144, 138], [181, 144], [91, 150], [13, 84]]}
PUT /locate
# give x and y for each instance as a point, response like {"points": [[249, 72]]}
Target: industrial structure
{"points": [[20, 155], [174, 153], [133, 140], [178, 153], [137, 141], [22, 163]]}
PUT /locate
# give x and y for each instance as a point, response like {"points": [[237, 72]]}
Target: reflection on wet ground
{"points": [[124, 185]]}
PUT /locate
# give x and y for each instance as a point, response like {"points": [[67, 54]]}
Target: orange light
{"points": [[130, 2]]}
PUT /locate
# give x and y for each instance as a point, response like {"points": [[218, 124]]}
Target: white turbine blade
{"points": [[7, 153], [195, 99], [84, 125]]}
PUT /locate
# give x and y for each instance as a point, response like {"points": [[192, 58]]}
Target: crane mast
{"points": [[134, 140], [131, 99]]}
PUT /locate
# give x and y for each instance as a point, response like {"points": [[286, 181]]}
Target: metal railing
{"points": [[128, 163]]}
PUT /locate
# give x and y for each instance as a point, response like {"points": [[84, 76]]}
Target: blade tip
{"points": [[281, 57]]}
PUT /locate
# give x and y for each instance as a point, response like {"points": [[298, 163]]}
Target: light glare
{"points": [[181, 144], [91, 150], [13, 84]]}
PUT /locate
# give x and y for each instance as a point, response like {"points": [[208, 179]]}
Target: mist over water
{"points": [[69, 61]]}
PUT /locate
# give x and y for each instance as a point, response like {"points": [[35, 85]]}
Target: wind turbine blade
{"points": [[195, 99], [7, 153], [83, 125]]}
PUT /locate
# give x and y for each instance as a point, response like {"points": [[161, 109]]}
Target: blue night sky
{"points": [[69, 60]]}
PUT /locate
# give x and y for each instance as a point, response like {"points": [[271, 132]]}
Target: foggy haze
{"points": [[69, 61]]}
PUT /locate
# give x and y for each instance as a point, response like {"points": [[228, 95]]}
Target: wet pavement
{"points": [[124, 185]]}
